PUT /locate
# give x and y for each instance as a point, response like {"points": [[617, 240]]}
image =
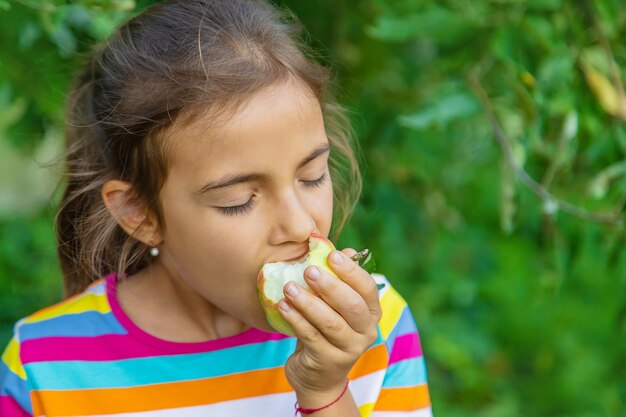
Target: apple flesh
{"points": [[273, 277]]}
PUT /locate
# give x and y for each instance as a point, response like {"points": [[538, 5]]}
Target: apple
{"points": [[273, 277]]}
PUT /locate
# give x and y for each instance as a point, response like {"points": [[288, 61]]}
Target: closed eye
{"points": [[243, 208], [231, 211], [316, 183]]}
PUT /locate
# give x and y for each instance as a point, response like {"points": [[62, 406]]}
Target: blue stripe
{"points": [[405, 325], [89, 323], [406, 373], [161, 369], [15, 387], [379, 338]]}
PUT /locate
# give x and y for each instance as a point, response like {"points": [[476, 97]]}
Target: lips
{"points": [[290, 258], [296, 258]]}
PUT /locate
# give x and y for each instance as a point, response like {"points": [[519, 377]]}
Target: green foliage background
{"points": [[494, 152]]}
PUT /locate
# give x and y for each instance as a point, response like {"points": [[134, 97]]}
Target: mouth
{"points": [[300, 257]]}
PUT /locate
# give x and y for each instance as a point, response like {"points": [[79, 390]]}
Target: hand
{"points": [[335, 321]]}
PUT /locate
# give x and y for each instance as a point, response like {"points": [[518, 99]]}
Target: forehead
{"points": [[279, 123]]}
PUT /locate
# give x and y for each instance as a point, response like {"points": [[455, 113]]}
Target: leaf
{"points": [[599, 186], [12, 113], [609, 14], [33, 187], [369, 264], [442, 111], [596, 57], [556, 70], [547, 5], [570, 126], [438, 23], [366, 260], [550, 206], [63, 37], [124, 5], [28, 35], [102, 25], [78, 17], [609, 98]]}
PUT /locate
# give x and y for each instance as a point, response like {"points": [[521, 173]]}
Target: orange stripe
{"points": [[371, 361], [403, 399], [183, 394], [160, 396], [35, 401]]}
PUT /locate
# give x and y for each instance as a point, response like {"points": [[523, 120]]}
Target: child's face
{"points": [[217, 254]]}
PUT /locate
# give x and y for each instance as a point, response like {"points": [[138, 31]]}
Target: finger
{"points": [[342, 298], [306, 333], [357, 278], [328, 322]]}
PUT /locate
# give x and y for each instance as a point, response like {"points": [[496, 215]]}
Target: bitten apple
{"points": [[273, 277]]}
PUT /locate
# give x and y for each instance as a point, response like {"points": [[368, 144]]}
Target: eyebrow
{"points": [[234, 179]]}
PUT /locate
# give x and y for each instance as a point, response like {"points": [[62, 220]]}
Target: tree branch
{"points": [[548, 198]]}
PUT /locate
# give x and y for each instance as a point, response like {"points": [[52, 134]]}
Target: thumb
{"points": [[349, 252]]}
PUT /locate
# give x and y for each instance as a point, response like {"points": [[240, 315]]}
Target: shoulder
{"points": [[31, 338], [65, 317], [397, 318], [405, 386]]}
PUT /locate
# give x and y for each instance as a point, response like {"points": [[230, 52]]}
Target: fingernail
{"points": [[337, 258], [283, 305], [314, 273], [292, 289]]}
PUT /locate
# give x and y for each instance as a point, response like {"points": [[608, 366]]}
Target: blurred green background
{"points": [[494, 156]]}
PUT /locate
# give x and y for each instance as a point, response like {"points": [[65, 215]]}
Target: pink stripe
{"points": [[10, 408], [407, 346], [251, 335], [117, 347], [135, 344]]}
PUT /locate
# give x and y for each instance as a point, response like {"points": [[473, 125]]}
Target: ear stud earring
{"points": [[154, 252]]}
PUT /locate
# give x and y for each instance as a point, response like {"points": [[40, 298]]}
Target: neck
{"points": [[164, 306]]}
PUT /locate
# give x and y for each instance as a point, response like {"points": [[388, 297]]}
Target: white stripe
{"points": [[366, 389], [98, 289], [424, 412], [381, 279]]}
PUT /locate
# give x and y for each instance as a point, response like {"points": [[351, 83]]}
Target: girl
{"points": [[202, 144]]}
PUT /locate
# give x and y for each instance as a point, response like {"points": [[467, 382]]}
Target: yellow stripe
{"points": [[392, 305], [84, 302], [366, 409], [11, 357]]}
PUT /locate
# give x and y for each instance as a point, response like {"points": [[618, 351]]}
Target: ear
{"points": [[131, 215]]}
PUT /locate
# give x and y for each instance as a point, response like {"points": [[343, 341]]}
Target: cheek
{"points": [[323, 207], [189, 237], [198, 239]]}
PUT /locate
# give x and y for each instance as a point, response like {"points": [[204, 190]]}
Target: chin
{"points": [[258, 320], [265, 326]]}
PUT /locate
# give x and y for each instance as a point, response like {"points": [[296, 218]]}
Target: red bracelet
{"points": [[313, 410]]}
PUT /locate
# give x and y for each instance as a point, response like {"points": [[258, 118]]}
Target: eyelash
{"points": [[316, 183], [232, 211]]}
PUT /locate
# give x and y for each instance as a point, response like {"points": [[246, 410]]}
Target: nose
{"points": [[293, 219]]}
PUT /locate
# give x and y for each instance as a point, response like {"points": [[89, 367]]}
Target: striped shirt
{"points": [[85, 357]]}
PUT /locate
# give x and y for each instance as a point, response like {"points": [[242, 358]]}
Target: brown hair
{"points": [[170, 61]]}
